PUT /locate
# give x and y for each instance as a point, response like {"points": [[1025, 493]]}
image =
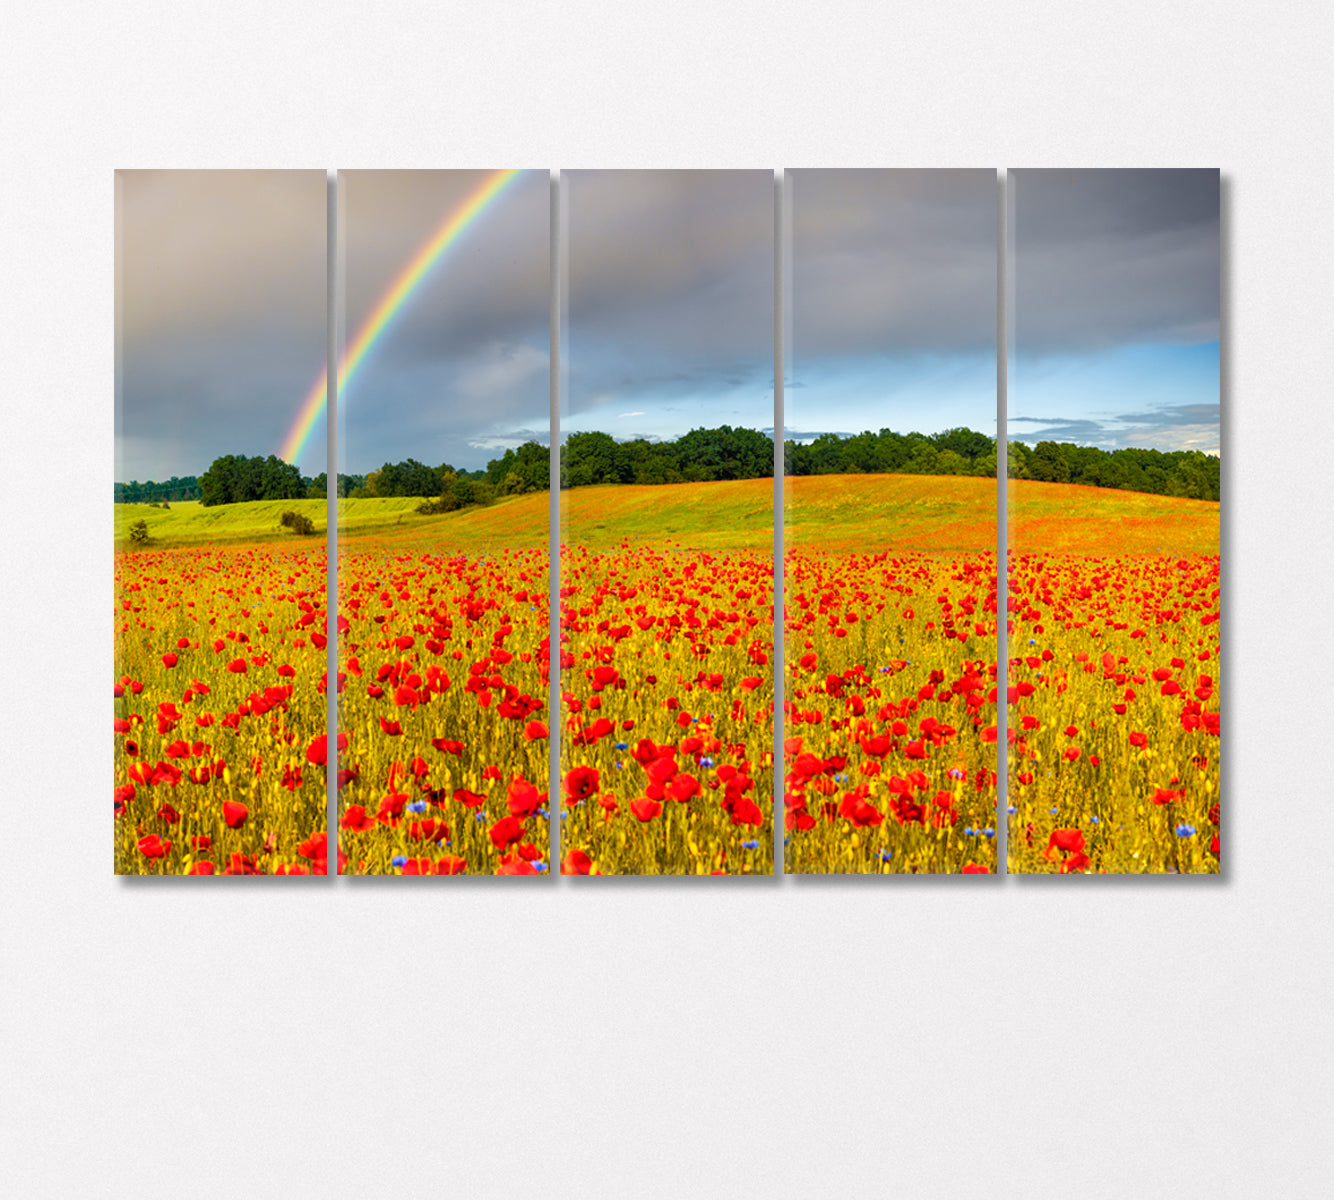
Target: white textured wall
{"points": [[1096, 1038]]}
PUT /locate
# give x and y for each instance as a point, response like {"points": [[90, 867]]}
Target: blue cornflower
{"points": [[539, 867], [969, 830], [398, 860], [417, 806], [1012, 810], [750, 845], [1094, 821], [1185, 831], [886, 855], [706, 762], [481, 816], [622, 745], [987, 832], [544, 814]]}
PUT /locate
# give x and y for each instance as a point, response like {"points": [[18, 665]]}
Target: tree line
{"points": [[702, 455], [176, 488]]}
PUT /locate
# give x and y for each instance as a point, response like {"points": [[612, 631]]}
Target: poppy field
{"points": [[443, 742], [220, 711], [889, 722], [1114, 726], [667, 711]]}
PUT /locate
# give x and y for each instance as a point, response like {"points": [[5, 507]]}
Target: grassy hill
{"points": [[829, 512]]}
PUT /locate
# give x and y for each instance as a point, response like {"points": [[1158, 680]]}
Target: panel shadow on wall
{"points": [[219, 525], [890, 523], [1113, 523], [666, 568], [443, 529]]}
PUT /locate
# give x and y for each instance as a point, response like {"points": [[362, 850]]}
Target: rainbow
{"points": [[394, 298]]}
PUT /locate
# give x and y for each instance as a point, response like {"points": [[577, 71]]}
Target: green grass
{"points": [[828, 513]]}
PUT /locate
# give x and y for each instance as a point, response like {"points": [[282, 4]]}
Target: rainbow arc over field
{"points": [[398, 293]]}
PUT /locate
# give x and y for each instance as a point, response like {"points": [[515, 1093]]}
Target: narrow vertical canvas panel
{"points": [[666, 571], [890, 523], [1113, 523], [219, 524], [443, 526]]}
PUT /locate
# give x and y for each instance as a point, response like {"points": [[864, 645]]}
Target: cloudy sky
{"points": [[462, 371], [1116, 278], [220, 301], [893, 301], [668, 324]]}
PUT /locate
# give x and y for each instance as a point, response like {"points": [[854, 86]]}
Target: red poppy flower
{"points": [[576, 862], [1138, 739], [645, 809], [1068, 841], [506, 832], [153, 846], [535, 731], [523, 798], [315, 846], [234, 813], [357, 819], [580, 783]]}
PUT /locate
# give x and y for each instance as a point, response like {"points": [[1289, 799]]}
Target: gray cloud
{"points": [[893, 261], [1108, 258], [1172, 427], [670, 282], [220, 303]]}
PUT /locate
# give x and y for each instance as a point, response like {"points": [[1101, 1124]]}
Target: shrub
{"points": [[139, 532], [297, 523]]}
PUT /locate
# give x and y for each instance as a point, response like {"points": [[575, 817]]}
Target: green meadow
{"points": [[838, 513]]}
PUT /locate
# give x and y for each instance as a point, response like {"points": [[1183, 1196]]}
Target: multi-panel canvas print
{"points": [[443, 523], [667, 523], [889, 629], [667, 340], [220, 580], [1113, 523]]}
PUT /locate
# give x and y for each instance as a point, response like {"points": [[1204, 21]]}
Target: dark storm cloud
{"points": [[893, 262], [1108, 258], [679, 260], [220, 313], [670, 286]]}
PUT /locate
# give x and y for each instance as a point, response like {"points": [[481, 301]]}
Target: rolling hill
{"points": [[824, 513]]}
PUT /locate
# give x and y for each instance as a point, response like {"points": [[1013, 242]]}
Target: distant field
{"points": [[958, 515], [517, 523], [1073, 519], [827, 512]]}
